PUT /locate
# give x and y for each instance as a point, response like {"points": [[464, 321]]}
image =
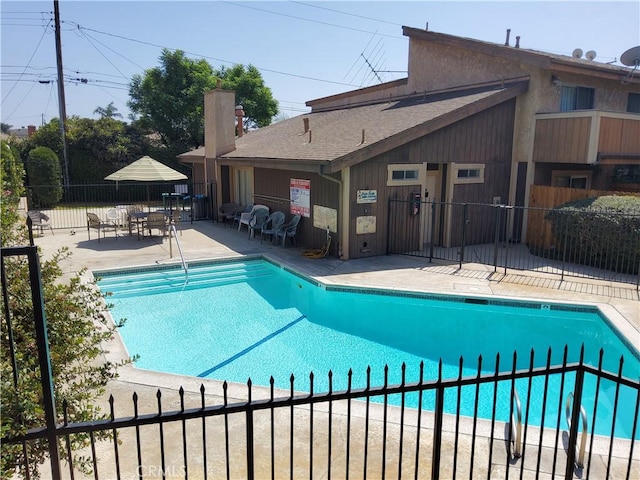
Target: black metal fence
{"points": [[354, 433], [572, 245], [196, 199]]}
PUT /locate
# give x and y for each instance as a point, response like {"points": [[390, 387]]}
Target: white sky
{"points": [[304, 50]]}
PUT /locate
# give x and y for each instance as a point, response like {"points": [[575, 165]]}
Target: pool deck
{"points": [[208, 240]]}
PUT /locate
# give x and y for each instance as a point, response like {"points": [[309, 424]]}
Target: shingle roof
{"points": [[337, 133]]}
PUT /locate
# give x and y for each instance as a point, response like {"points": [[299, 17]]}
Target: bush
{"points": [[602, 232], [45, 177], [77, 329]]}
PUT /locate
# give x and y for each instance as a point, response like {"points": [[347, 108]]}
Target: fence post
{"points": [[495, 239], [564, 247], [437, 427], [250, 466], [575, 420], [388, 225], [433, 230], [44, 358], [464, 233]]}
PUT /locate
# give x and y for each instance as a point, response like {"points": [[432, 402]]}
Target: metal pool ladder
{"points": [[173, 230], [583, 437], [516, 425]]}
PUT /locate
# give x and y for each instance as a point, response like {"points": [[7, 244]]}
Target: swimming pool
{"points": [[252, 319]]}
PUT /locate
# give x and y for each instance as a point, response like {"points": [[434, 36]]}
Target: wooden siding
{"points": [[542, 198], [562, 140], [486, 138], [271, 188], [619, 135]]}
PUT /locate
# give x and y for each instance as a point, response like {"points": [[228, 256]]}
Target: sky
{"points": [[304, 49]]}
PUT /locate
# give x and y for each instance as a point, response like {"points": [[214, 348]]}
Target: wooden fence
{"points": [[543, 198]]}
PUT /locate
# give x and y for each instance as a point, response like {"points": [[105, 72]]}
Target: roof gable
{"points": [[342, 137]]}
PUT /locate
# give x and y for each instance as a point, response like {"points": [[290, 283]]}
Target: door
{"points": [[429, 197], [244, 186]]}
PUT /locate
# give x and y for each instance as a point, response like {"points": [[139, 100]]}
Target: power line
{"points": [[304, 19], [28, 63], [346, 13]]}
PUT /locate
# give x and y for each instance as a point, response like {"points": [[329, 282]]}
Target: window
{"points": [[469, 173], [576, 98], [633, 103], [405, 174], [571, 179]]}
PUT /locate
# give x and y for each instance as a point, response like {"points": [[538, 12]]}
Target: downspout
{"points": [[340, 206]]}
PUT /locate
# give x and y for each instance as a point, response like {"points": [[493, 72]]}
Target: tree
{"points": [[76, 328], [170, 98], [5, 127], [110, 111], [45, 177], [95, 148], [256, 99]]}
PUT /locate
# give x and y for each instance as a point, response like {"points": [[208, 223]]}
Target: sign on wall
{"points": [[325, 217], [366, 224], [300, 196], [367, 196]]}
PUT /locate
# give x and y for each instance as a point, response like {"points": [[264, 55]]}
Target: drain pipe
{"points": [[340, 205]]}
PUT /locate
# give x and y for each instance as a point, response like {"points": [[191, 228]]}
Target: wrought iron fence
{"points": [[357, 432], [196, 199], [577, 244]]}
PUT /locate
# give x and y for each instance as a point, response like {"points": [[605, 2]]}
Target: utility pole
{"points": [[61, 100]]}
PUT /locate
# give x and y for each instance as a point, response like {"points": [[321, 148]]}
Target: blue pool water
{"points": [[236, 321]]}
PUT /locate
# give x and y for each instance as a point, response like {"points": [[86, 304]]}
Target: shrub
{"points": [[77, 329], [602, 232], [45, 177]]}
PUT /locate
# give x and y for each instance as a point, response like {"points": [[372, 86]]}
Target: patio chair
{"points": [[132, 219], [176, 219], [257, 220], [40, 220], [239, 212], [289, 230], [155, 220], [227, 211], [272, 225], [93, 221], [246, 217]]}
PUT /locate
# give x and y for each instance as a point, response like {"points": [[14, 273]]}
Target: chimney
{"points": [[506, 42], [31, 129], [219, 125], [239, 120], [518, 41]]}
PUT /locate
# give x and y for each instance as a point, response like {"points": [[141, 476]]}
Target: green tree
{"points": [[77, 330], [256, 99], [169, 99], [12, 189], [110, 111], [45, 177], [95, 148], [5, 127]]}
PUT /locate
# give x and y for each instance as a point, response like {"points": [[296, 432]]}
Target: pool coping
{"points": [[237, 391]]}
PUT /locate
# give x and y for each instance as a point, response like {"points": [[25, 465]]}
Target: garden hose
{"points": [[319, 252]]}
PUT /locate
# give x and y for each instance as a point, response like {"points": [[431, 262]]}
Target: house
{"points": [[473, 122]]}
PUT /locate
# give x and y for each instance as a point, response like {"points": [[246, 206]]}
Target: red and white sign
{"points": [[300, 194]]}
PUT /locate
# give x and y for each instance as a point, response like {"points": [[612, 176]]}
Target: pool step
{"points": [[164, 281]]}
